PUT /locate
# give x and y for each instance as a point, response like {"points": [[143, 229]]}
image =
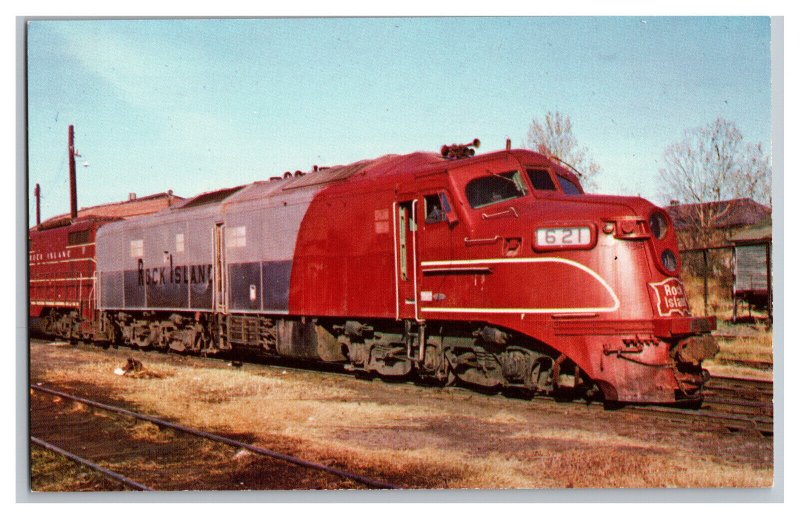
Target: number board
{"points": [[563, 237]]}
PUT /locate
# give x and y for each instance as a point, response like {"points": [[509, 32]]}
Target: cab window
{"points": [[78, 237], [433, 209], [541, 180], [568, 186], [495, 188], [436, 208]]}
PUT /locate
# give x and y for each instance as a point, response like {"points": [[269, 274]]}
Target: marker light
{"points": [[658, 225], [669, 261]]}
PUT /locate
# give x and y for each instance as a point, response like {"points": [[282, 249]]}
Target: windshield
{"points": [[568, 187], [495, 188], [540, 179]]}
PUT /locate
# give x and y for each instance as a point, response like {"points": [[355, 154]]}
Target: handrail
{"points": [[510, 210]]}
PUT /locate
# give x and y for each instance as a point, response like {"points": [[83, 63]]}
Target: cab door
{"points": [[441, 241], [439, 233], [220, 290]]}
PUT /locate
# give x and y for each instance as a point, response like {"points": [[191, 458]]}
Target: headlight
{"points": [[669, 261], [658, 225]]}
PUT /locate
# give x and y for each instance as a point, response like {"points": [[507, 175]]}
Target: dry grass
{"points": [[625, 462], [719, 297], [752, 344], [150, 432], [753, 348], [621, 467], [720, 301], [744, 351], [424, 437], [51, 472]]}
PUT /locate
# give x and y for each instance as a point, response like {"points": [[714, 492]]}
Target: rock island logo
{"points": [[670, 297], [177, 274]]}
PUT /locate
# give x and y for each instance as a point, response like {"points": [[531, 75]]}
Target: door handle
{"points": [[481, 241]]}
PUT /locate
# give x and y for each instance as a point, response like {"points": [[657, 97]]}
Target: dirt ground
{"points": [[414, 436]]}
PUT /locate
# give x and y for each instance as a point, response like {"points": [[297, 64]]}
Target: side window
{"points": [[179, 242], [540, 179], [236, 237], [137, 248], [495, 188], [434, 211], [445, 203], [568, 187], [78, 237]]}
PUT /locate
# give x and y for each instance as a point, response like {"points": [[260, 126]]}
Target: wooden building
{"points": [[752, 268]]}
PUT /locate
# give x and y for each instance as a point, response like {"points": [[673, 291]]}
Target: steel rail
{"points": [[741, 381], [83, 461], [732, 424], [220, 439], [738, 403], [702, 413]]}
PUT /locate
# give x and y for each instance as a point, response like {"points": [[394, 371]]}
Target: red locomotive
{"points": [[62, 266], [495, 270]]}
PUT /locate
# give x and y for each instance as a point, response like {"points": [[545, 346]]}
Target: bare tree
{"points": [[711, 165], [554, 137]]}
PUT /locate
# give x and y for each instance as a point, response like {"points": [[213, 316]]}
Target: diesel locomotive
{"points": [[494, 270]]}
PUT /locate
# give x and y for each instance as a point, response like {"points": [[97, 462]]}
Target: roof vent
{"points": [[131, 197]]}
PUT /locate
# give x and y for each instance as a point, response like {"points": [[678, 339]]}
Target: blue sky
{"points": [[195, 105]]}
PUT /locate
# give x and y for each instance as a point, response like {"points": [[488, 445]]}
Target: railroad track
{"points": [[737, 404], [751, 400], [92, 421], [108, 473]]}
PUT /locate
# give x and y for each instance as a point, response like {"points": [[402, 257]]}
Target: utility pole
{"points": [[37, 193], [73, 188]]}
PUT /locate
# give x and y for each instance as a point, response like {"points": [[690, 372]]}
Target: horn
{"points": [[460, 151]]}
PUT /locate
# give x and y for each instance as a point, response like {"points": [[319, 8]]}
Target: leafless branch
{"points": [[554, 136]]}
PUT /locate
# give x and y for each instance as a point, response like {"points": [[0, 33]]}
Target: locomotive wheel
{"points": [[593, 394], [199, 342], [452, 378], [143, 342]]}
